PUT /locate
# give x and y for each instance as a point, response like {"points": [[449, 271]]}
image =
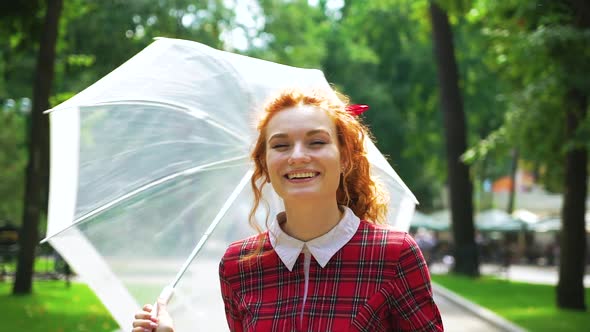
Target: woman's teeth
{"points": [[300, 175]]}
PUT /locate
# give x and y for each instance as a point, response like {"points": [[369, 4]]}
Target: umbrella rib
{"points": [[230, 200], [141, 189]]}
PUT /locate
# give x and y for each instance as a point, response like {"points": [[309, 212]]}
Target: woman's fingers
{"points": [[142, 315], [141, 329], [144, 322], [141, 324], [164, 320]]}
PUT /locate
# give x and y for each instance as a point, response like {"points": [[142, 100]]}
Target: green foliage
{"points": [[13, 161], [493, 142], [99, 36], [540, 55], [455, 7], [295, 33]]}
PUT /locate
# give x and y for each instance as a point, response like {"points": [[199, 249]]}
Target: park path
{"points": [[457, 319]]}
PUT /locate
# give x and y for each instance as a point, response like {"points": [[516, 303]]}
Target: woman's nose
{"points": [[299, 155]]}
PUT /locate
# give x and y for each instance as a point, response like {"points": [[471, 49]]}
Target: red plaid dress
{"points": [[378, 281]]}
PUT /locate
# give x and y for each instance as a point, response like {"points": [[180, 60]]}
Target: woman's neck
{"points": [[306, 221]]}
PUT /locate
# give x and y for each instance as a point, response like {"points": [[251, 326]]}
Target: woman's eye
{"points": [[318, 143], [279, 146]]}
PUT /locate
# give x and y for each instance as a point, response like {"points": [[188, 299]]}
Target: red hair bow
{"points": [[357, 109]]}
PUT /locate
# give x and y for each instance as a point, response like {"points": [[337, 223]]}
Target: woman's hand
{"points": [[144, 321]]}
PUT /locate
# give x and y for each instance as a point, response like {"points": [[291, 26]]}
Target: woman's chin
{"points": [[305, 195]]}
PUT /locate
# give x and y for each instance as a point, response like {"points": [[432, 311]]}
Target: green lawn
{"points": [[54, 308], [528, 305]]}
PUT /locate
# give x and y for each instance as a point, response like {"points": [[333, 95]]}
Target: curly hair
{"points": [[357, 189]]}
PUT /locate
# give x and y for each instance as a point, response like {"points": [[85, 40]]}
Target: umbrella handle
{"points": [[165, 297]]}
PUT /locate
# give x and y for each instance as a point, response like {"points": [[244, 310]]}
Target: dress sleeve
{"points": [[414, 308], [232, 314]]}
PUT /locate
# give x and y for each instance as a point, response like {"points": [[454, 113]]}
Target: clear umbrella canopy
{"points": [[150, 169]]}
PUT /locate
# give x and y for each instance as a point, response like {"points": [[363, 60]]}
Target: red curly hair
{"points": [[357, 189]]}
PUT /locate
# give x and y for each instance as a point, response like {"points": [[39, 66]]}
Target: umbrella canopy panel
{"points": [[146, 143]]}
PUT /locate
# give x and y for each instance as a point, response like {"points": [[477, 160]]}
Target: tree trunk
{"points": [[513, 168], [39, 135], [460, 187], [570, 288]]}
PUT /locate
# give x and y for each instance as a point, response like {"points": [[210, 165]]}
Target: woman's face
{"points": [[302, 154]]}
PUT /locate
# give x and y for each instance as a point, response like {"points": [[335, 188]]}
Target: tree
{"points": [[18, 29], [460, 188], [38, 146], [570, 288], [548, 104]]}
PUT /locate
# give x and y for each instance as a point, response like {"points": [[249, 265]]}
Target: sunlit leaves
{"points": [[13, 160], [540, 54]]}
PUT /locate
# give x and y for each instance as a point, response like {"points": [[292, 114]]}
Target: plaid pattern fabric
{"points": [[378, 281]]}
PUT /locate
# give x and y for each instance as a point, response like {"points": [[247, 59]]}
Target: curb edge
{"points": [[476, 309]]}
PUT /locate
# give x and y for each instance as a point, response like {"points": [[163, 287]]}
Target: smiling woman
{"points": [[328, 262]]}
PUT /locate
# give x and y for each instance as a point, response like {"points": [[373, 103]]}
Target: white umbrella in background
{"points": [[421, 220], [554, 224], [497, 220], [149, 169]]}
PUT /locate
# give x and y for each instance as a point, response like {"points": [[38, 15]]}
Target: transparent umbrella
{"points": [[150, 175]]}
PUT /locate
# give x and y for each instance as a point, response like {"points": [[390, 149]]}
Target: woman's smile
{"points": [[301, 176]]}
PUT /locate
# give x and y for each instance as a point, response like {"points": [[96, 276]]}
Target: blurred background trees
{"points": [[522, 74]]}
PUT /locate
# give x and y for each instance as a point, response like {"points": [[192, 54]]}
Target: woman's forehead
{"points": [[300, 119]]}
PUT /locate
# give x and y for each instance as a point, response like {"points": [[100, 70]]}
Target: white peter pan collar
{"points": [[322, 248]]}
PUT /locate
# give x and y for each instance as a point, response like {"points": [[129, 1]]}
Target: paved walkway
{"points": [[457, 319], [547, 275]]}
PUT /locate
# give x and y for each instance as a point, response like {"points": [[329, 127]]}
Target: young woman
{"points": [[328, 262]]}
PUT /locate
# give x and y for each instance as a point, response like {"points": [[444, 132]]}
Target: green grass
{"points": [[528, 305], [54, 308]]}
